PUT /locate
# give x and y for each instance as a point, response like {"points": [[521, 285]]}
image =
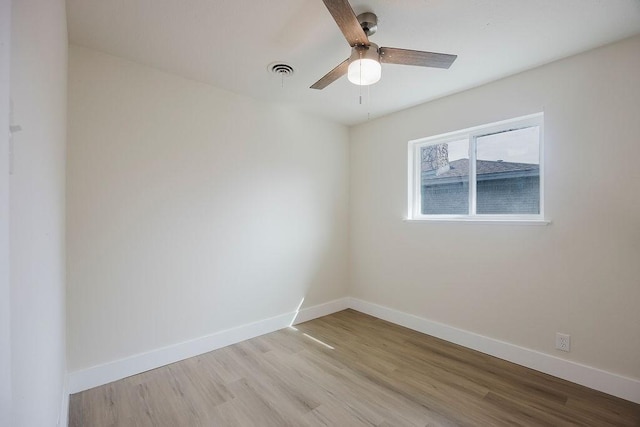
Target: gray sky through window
{"points": [[518, 146]]}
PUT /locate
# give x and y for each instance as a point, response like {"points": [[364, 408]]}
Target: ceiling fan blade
{"points": [[392, 55], [347, 22], [332, 75]]}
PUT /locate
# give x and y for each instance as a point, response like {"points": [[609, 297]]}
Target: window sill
{"points": [[496, 221]]}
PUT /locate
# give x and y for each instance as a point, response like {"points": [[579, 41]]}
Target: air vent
{"points": [[281, 69]]}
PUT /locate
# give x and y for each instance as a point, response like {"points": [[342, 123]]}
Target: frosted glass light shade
{"points": [[364, 72], [364, 67]]}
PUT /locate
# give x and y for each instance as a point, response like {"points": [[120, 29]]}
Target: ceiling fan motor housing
{"points": [[365, 52]]}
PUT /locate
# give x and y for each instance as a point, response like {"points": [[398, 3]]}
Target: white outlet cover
{"points": [[563, 341]]}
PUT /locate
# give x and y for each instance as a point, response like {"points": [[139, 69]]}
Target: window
{"points": [[490, 172]]}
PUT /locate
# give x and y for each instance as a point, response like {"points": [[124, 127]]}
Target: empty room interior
{"points": [[319, 213]]}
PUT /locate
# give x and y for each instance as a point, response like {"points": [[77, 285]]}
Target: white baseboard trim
{"points": [[63, 415], [102, 374], [607, 382], [320, 310]]}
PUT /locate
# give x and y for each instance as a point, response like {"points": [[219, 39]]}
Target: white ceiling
{"points": [[230, 43]]}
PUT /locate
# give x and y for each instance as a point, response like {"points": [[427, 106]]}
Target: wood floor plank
{"points": [[346, 369]]}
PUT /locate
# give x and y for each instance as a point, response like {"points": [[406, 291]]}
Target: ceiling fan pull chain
{"points": [[360, 63], [368, 102]]}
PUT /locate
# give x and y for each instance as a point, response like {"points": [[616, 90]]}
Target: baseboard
{"points": [[63, 417], [320, 310], [102, 374], [597, 379], [607, 382]]}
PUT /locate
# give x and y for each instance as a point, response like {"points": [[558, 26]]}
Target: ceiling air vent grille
{"points": [[281, 69]]}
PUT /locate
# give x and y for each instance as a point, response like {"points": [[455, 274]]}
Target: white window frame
{"points": [[471, 135]]}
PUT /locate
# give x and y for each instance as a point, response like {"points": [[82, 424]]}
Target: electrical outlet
{"points": [[563, 341]]}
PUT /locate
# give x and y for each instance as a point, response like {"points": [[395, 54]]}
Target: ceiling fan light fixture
{"points": [[364, 65]]}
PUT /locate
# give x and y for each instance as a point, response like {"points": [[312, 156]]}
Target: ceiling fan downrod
{"points": [[369, 23]]}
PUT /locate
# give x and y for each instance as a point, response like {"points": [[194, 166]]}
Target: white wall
{"points": [[37, 211], [519, 284], [192, 210], [5, 289]]}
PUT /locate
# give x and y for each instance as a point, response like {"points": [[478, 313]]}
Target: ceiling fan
{"points": [[363, 66]]}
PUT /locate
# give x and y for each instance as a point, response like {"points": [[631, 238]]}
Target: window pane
{"points": [[508, 172], [445, 178]]}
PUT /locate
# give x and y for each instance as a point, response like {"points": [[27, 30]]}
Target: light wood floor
{"points": [[347, 369]]}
